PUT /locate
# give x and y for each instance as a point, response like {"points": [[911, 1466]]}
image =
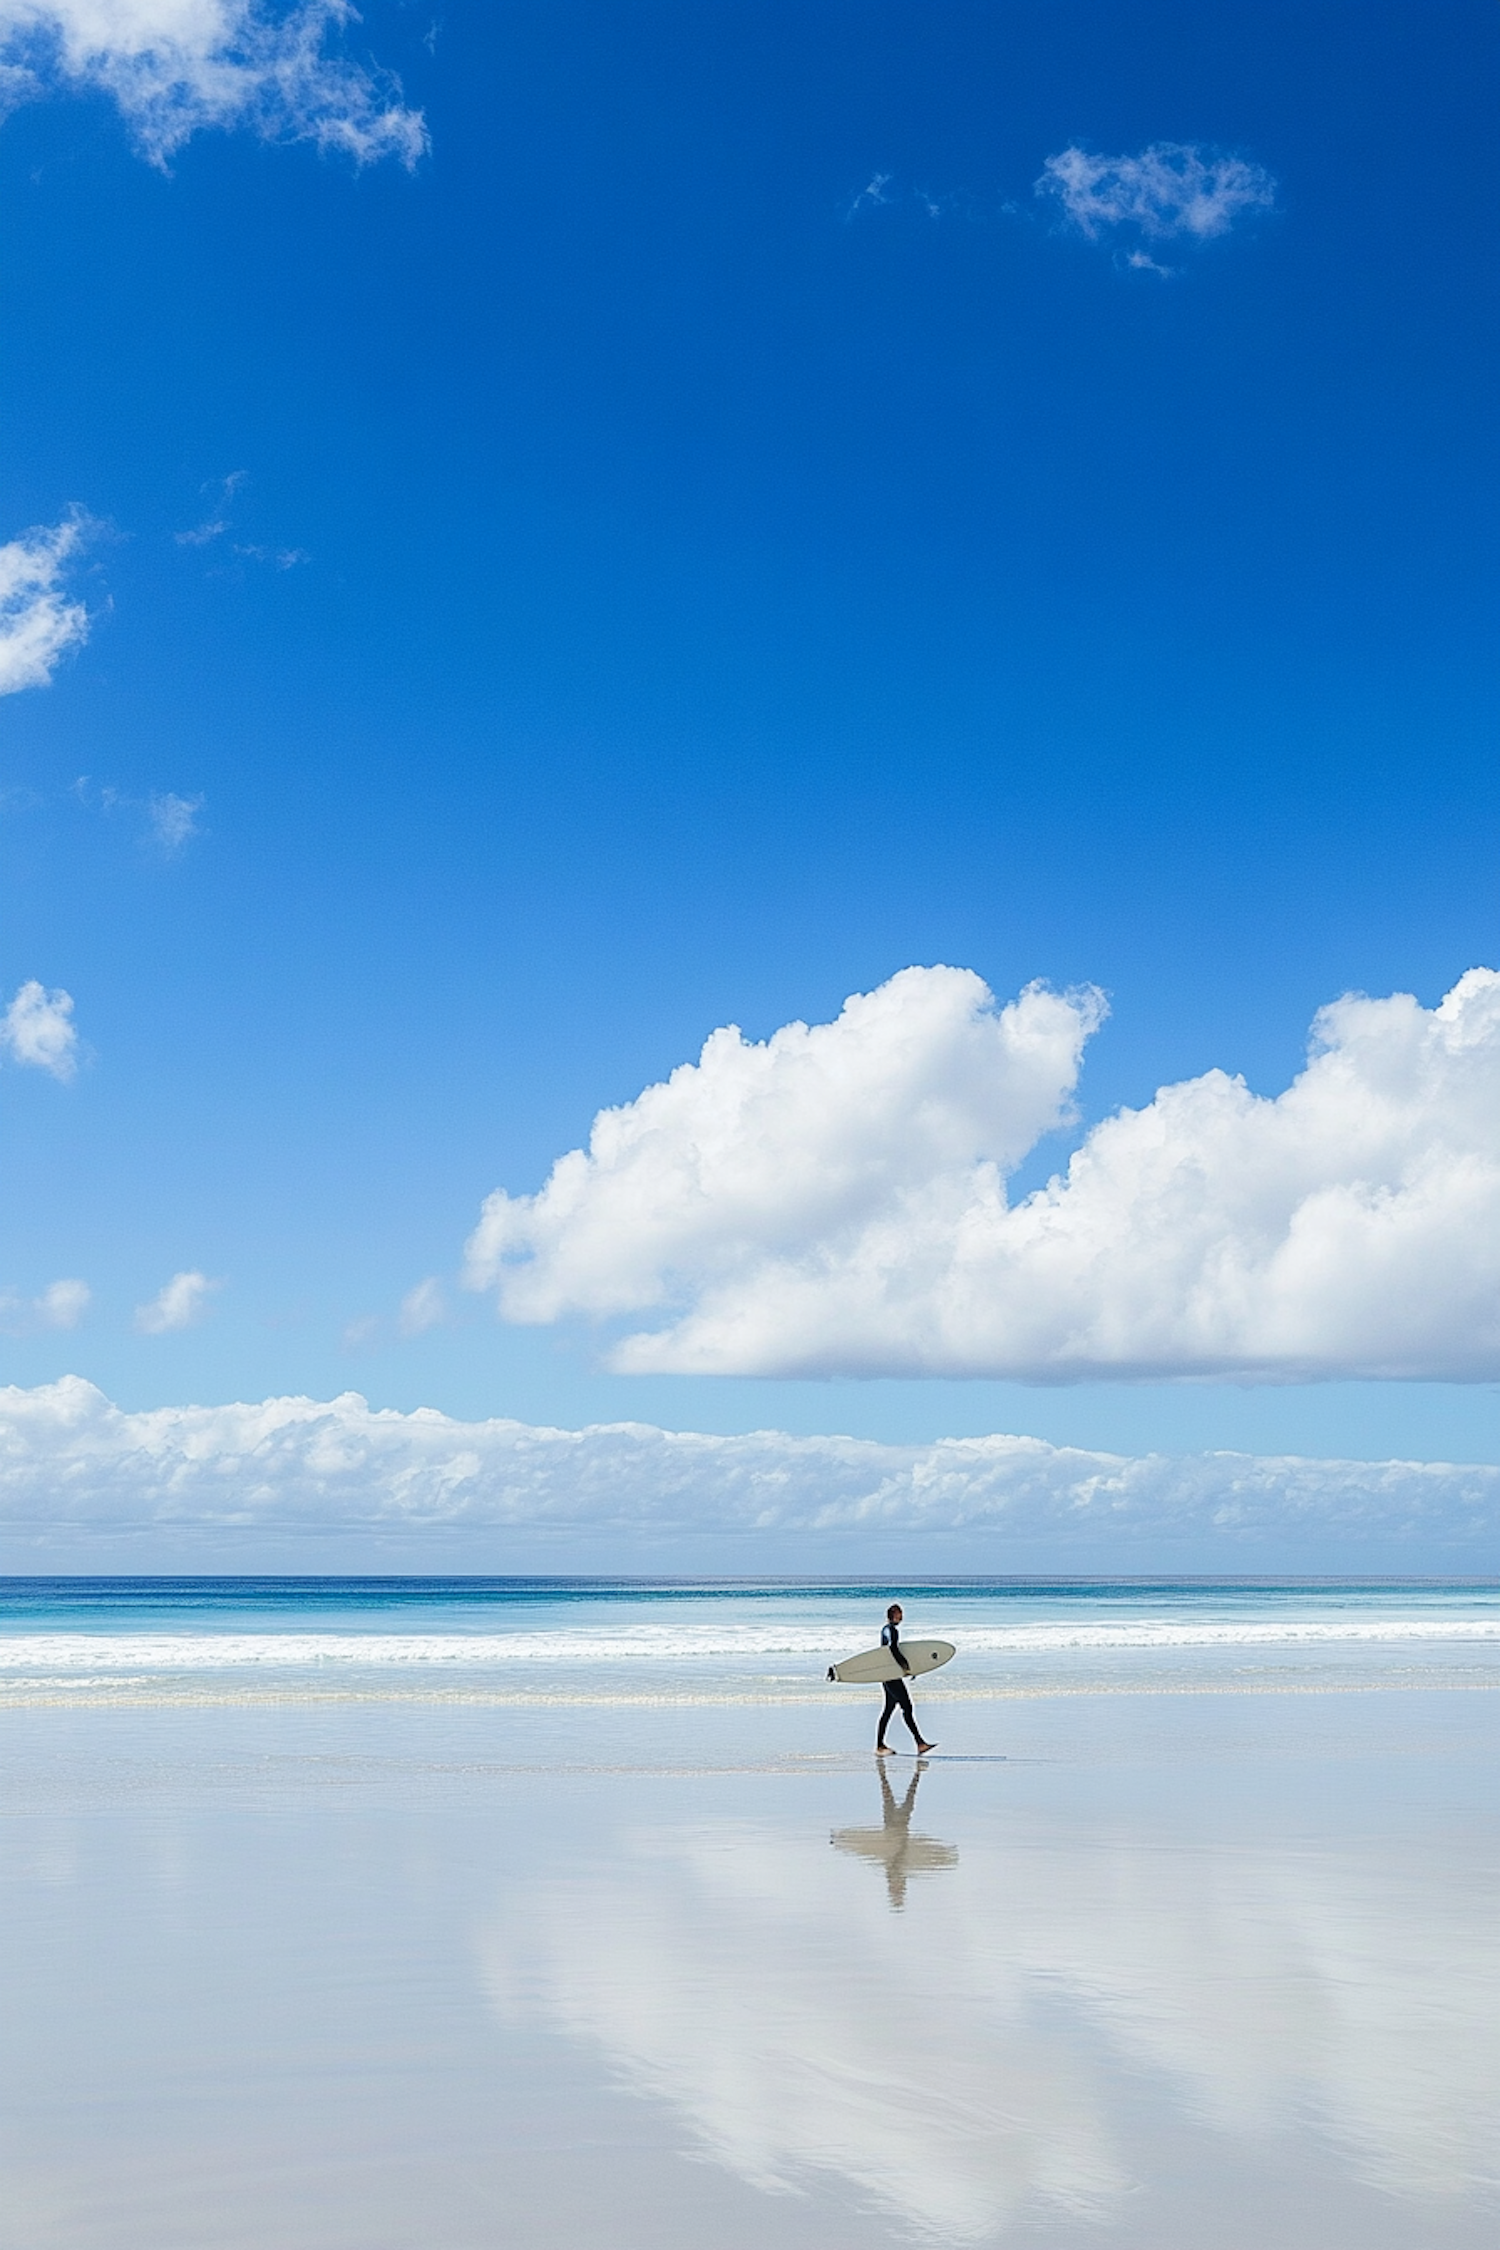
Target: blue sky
{"points": [[616, 575]]}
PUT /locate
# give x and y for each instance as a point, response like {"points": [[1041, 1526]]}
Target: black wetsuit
{"points": [[896, 1696]]}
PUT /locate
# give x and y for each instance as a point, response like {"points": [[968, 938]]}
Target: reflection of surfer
{"points": [[896, 1696], [893, 1845]]}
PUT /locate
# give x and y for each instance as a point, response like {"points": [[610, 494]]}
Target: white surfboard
{"points": [[876, 1665]]}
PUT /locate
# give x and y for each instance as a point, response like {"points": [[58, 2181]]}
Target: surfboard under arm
{"points": [[874, 1666]]}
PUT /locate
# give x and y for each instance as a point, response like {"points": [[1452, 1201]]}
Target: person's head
{"points": [[894, 1613]]}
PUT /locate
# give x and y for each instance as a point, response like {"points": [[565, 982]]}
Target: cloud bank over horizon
{"points": [[832, 1202], [76, 1469], [176, 67]]}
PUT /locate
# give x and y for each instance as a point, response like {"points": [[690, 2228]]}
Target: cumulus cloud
{"points": [[38, 622], [759, 1150], [37, 1030], [181, 1304], [834, 1202], [174, 67], [1170, 192], [62, 1304], [73, 1463]]}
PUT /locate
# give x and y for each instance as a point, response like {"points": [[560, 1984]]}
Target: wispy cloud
{"points": [[422, 1308], [61, 1305], [214, 525], [39, 623], [1172, 191], [181, 1304], [37, 1030], [169, 821], [833, 1201], [875, 195], [176, 67], [173, 819], [72, 1461], [283, 558], [883, 192], [220, 522]]}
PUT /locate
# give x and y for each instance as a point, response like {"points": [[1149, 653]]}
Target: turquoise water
{"points": [[546, 1638]]}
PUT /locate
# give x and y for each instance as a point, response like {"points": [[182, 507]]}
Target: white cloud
{"points": [[833, 1202], [203, 534], [170, 820], [423, 1308], [38, 623], [73, 1463], [37, 1030], [62, 1304], [757, 1152], [174, 67], [181, 1304], [174, 819], [1169, 192]]}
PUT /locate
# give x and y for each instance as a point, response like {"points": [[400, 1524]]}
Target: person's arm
{"points": [[895, 1633]]}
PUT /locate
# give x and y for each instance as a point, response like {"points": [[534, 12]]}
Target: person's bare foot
{"points": [[884, 1750], [924, 1747]]}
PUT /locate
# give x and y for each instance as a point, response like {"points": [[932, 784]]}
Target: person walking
{"points": [[897, 1697]]}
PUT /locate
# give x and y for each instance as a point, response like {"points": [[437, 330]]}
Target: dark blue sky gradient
{"points": [[715, 603]]}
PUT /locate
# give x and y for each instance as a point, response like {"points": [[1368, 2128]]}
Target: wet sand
{"points": [[1146, 1970]]}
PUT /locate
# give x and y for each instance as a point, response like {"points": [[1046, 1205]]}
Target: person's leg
{"points": [[885, 1716], [910, 1717]]}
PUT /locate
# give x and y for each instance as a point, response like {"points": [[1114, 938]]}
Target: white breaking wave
{"points": [[212, 1652]]}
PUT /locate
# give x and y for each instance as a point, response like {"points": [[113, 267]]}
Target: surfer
{"points": [[896, 1696]]}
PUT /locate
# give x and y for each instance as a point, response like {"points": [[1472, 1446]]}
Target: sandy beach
{"points": [[341, 1968]]}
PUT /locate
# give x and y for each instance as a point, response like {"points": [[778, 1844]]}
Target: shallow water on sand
{"points": [[1137, 1968]]}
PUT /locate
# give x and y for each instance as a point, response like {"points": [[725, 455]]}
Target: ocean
{"points": [[581, 1640]]}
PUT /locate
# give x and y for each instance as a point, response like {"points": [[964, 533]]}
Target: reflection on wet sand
{"points": [[892, 1845], [1021, 2041]]}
